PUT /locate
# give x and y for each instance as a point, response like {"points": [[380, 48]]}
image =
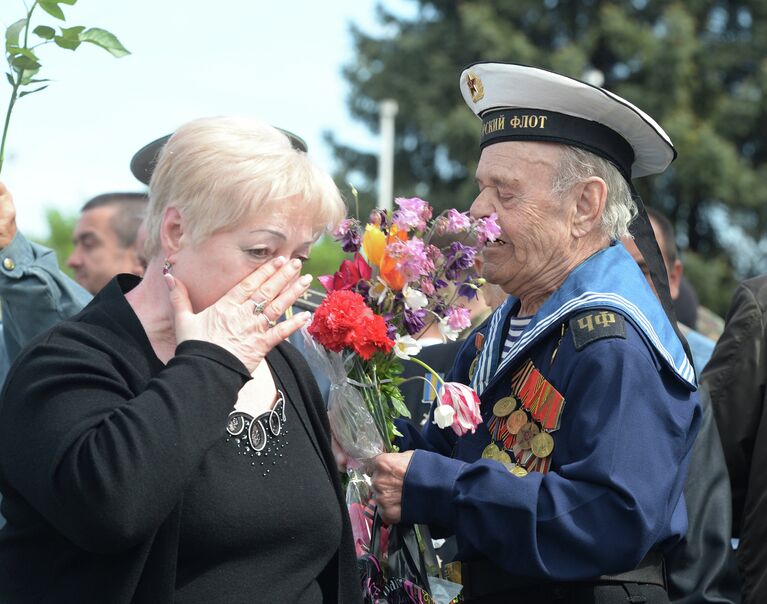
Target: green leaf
{"points": [[45, 32], [26, 92], [69, 2], [24, 63], [52, 8], [72, 32], [27, 76], [70, 37], [400, 406], [106, 40], [13, 32], [11, 81]]}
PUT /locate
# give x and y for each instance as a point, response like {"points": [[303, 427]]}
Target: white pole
{"points": [[388, 111]]}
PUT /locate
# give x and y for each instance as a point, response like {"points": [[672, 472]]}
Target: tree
{"points": [[698, 67], [60, 229]]}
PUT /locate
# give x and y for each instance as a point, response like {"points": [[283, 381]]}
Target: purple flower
{"points": [[487, 228], [458, 318], [457, 221], [466, 290], [458, 258], [391, 331], [349, 235], [378, 218], [412, 259], [412, 214], [414, 320], [427, 285]]}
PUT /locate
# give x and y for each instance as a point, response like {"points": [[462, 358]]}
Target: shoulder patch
{"points": [[595, 324]]}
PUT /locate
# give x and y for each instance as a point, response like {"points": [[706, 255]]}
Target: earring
{"points": [[167, 268]]}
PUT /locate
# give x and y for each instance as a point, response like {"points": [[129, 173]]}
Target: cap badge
{"points": [[476, 88]]}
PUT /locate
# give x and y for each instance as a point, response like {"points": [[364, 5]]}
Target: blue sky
{"points": [[279, 61]]}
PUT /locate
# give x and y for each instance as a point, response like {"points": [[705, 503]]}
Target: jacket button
{"points": [[9, 264]]}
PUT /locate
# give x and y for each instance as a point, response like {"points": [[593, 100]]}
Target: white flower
{"points": [[378, 291], [414, 299], [447, 332], [406, 347], [443, 416]]}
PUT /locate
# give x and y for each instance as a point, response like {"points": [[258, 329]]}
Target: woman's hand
{"points": [[243, 321]]}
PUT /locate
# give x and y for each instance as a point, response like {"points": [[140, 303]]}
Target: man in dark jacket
{"points": [[736, 377]]}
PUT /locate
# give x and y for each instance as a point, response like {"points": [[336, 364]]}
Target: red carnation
{"points": [[343, 320]]}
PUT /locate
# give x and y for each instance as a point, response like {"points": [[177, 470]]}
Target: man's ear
{"points": [[589, 206], [171, 231]]}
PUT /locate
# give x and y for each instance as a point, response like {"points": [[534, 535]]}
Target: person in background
{"points": [[736, 377], [700, 345], [166, 442], [701, 567], [107, 241], [34, 293]]}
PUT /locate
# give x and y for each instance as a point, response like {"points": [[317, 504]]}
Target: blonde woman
{"points": [[166, 444]]}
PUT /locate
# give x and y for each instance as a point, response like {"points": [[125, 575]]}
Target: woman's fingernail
{"points": [[304, 316], [279, 261], [305, 280], [169, 281], [295, 263]]}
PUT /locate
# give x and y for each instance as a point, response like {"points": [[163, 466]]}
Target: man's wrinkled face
{"points": [[515, 181], [98, 254]]}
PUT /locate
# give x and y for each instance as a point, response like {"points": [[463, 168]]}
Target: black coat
{"points": [[736, 376], [93, 485]]}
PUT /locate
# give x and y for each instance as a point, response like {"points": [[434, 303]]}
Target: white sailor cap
{"points": [[518, 102]]}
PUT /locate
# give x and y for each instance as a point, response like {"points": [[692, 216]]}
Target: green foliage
{"points": [[24, 62], [698, 68], [60, 229], [712, 279], [325, 259]]}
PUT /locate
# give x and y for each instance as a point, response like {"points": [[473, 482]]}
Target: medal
{"points": [[542, 444], [504, 406], [526, 435], [473, 368], [503, 457], [491, 451], [515, 421], [518, 470]]}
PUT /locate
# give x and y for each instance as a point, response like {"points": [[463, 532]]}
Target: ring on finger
{"points": [[259, 307], [272, 323]]}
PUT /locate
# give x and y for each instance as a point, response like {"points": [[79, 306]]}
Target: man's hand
{"points": [[388, 478], [7, 217]]}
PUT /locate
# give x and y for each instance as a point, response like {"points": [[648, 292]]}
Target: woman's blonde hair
{"points": [[218, 170]]}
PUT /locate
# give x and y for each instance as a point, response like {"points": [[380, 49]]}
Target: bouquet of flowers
{"points": [[398, 282]]}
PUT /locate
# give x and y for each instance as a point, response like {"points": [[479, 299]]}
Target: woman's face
{"points": [[218, 263]]}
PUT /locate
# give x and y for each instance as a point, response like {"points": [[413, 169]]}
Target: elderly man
{"points": [[571, 488]]}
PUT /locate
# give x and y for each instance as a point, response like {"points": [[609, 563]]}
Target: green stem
{"points": [[15, 91], [7, 121], [429, 369]]}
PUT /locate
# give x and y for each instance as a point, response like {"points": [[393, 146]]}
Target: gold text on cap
{"points": [[476, 88]]}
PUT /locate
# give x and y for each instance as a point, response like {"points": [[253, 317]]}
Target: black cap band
{"points": [[501, 125]]}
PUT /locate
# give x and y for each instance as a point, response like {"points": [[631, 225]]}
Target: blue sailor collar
{"points": [[609, 279]]}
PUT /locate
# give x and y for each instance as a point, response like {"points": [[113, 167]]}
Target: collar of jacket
{"points": [[610, 279]]}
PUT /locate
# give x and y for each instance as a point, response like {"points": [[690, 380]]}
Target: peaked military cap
{"points": [[142, 164]]}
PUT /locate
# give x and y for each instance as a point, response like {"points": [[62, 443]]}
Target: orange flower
{"points": [[389, 273]]}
